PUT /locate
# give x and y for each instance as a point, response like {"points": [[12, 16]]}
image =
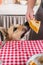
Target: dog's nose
{"points": [[14, 29], [1, 36]]}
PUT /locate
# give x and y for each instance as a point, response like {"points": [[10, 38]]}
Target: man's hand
{"points": [[30, 14]]}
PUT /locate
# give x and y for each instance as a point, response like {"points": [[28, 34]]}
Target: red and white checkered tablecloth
{"points": [[18, 52]]}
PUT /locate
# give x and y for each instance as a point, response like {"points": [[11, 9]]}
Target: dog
{"points": [[14, 32]]}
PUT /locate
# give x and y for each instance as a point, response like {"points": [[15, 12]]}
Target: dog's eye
{"points": [[14, 29]]}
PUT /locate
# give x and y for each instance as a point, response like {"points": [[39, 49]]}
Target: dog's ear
{"points": [[3, 30]]}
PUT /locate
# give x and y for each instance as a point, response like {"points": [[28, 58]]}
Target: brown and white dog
{"points": [[14, 32]]}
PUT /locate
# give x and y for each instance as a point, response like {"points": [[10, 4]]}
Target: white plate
{"points": [[0, 62], [33, 57]]}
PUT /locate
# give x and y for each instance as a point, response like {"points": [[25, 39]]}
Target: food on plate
{"points": [[40, 59], [32, 63], [36, 59], [34, 25]]}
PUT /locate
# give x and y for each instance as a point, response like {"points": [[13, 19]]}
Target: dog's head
{"points": [[14, 32]]}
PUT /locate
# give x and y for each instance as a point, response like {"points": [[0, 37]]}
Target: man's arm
{"points": [[31, 3], [29, 14]]}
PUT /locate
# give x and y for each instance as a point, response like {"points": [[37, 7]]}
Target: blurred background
{"points": [[16, 1]]}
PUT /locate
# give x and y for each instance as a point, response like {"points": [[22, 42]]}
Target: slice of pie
{"points": [[35, 25]]}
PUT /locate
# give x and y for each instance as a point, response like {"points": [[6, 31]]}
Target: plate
{"points": [[0, 62], [33, 58]]}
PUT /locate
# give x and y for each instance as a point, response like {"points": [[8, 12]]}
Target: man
{"points": [[39, 16]]}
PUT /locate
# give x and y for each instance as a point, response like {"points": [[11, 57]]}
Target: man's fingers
{"points": [[31, 15], [28, 17]]}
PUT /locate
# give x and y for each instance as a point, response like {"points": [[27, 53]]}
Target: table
{"points": [[18, 52]]}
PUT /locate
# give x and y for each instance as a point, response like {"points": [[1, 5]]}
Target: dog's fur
{"points": [[15, 32]]}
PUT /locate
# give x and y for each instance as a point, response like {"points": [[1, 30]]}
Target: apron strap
{"points": [[42, 3]]}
